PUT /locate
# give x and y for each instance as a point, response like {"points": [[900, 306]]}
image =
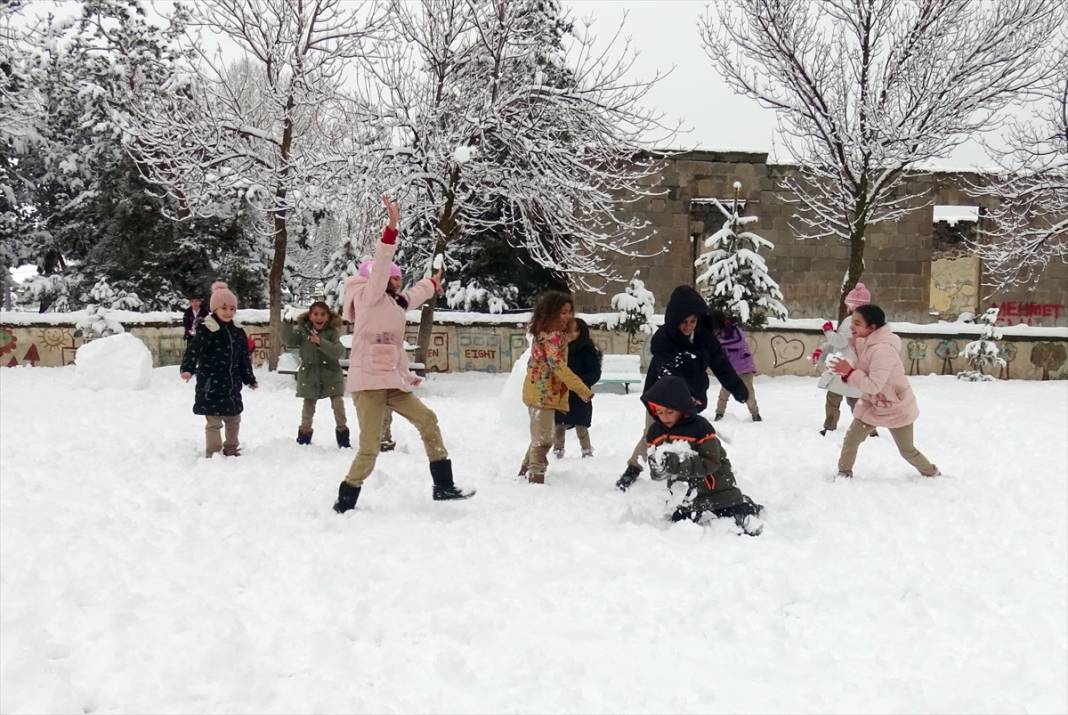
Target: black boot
{"points": [[444, 489], [346, 497], [630, 475], [343, 438], [304, 437]]}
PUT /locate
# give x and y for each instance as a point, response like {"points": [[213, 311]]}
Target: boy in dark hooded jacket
{"points": [[685, 450], [685, 346]]}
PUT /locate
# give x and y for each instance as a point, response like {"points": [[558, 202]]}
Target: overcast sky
{"points": [[666, 34]]}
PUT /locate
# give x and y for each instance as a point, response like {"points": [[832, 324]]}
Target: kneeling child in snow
{"points": [[685, 450]]}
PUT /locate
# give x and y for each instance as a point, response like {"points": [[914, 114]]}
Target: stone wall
{"points": [[898, 254], [493, 348]]}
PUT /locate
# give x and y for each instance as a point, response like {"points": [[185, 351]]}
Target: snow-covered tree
{"points": [[474, 295], [983, 354], [634, 306], [81, 208], [734, 277], [866, 90], [103, 298], [279, 127], [508, 118], [1026, 223]]}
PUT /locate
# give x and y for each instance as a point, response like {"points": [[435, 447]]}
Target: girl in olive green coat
{"points": [[317, 334]]}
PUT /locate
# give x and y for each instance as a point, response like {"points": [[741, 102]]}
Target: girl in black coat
{"points": [[684, 346], [218, 355], [584, 359]]}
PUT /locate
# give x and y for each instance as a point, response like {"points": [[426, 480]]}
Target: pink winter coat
{"points": [[377, 360], [887, 399]]}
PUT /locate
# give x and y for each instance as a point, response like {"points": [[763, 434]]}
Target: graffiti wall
{"points": [[494, 348]]}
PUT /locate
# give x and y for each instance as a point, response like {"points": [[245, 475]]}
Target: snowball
{"points": [[439, 261], [463, 153], [119, 361]]}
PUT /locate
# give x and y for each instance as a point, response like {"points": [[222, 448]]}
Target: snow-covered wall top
{"points": [[447, 317]]}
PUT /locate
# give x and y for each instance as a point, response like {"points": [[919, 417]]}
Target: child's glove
{"points": [[828, 327], [816, 356]]}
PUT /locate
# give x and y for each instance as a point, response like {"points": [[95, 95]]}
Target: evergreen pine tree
{"points": [[983, 354], [735, 277]]}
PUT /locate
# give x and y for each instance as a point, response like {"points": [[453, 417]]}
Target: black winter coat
{"points": [[691, 357], [218, 356], [584, 361]]}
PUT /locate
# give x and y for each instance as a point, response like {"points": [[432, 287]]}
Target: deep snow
{"points": [[137, 576]]}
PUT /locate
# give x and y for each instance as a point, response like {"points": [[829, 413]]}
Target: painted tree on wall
{"points": [[866, 90], [734, 277]]}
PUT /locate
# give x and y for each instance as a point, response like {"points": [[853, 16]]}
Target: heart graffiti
{"points": [[786, 350]]}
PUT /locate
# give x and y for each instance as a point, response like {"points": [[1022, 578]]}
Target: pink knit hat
{"points": [[221, 295], [365, 269], [858, 296]]}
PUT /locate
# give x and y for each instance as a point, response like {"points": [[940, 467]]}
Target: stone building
{"points": [[915, 268]]}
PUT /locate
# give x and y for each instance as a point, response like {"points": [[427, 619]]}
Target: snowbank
{"points": [[117, 362], [140, 577]]}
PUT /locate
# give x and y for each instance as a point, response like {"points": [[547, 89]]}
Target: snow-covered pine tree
{"points": [[635, 305], [983, 354], [97, 323], [734, 277]]}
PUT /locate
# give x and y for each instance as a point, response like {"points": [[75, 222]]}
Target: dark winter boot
{"points": [[444, 489], [757, 418], [346, 497], [343, 438], [630, 475], [387, 445], [231, 451], [304, 437]]}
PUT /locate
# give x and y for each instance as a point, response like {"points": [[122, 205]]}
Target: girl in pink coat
{"points": [[379, 377], [886, 398]]}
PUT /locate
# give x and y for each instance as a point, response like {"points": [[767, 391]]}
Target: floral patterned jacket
{"points": [[549, 379]]}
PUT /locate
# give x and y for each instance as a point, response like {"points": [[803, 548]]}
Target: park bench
{"points": [[622, 370]]}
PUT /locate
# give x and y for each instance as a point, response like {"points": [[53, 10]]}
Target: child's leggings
{"points": [[582, 432], [336, 403], [213, 439]]}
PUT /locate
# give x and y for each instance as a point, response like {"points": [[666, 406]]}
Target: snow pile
{"points": [[954, 214], [116, 362], [508, 416]]}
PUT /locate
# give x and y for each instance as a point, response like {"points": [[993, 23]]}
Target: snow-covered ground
{"points": [[138, 576]]}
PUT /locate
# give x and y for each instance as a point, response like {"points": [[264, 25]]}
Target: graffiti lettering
{"points": [[1027, 311], [480, 353]]}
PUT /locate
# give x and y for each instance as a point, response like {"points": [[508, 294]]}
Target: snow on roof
{"points": [[953, 214], [23, 273]]}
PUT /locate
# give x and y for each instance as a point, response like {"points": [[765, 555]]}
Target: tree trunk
{"points": [[274, 291], [856, 268], [856, 245], [426, 314]]}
